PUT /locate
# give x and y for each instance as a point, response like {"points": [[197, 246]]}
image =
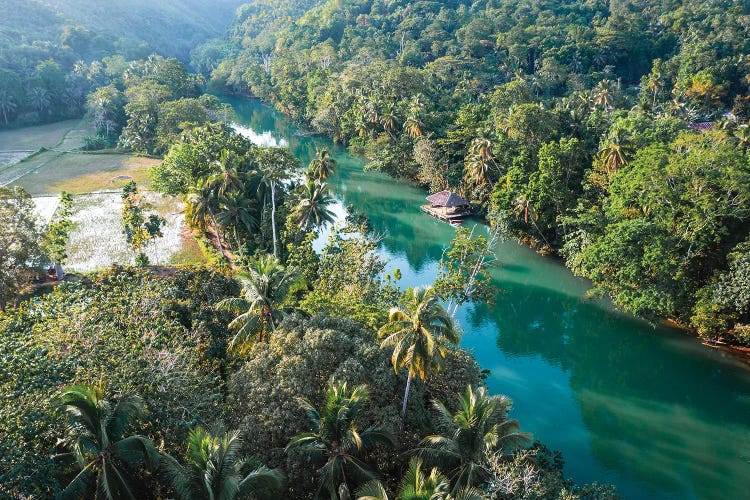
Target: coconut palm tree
{"points": [[413, 125], [99, 447], [39, 99], [275, 163], [616, 151], [229, 176], [417, 485], [202, 205], [215, 469], [322, 166], [237, 212], [480, 427], [312, 206], [388, 120], [7, 104], [336, 441], [419, 335], [604, 95], [266, 286], [479, 163]]}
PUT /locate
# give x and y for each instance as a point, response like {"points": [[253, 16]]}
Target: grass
{"points": [[82, 173], [189, 253], [33, 138]]}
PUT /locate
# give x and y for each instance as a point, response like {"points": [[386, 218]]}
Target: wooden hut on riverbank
{"points": [[447, 206]]}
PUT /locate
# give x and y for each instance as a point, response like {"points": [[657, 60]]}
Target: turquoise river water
{"points": [[650, 410]]}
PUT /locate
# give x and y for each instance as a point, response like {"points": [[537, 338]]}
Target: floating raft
{"points": [[448, 207]]}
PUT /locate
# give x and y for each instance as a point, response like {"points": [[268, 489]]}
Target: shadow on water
{"points": [[649, 409]]}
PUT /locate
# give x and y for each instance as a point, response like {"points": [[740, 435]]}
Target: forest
{"points": [[613, 134], [53, 53]]}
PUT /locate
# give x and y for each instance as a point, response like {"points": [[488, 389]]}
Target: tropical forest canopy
{"points": [[612, 133], [53, 53]]}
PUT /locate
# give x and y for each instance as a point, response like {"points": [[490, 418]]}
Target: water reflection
{"points": [[652, 411]]}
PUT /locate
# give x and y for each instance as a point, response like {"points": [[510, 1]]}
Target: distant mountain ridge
{"points": [[170, 27]]}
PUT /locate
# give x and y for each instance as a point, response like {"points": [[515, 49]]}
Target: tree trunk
{"points": [[59, 271], [218, 233], [406, 400], [273, 218]]}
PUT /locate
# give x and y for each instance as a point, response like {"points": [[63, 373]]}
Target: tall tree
{"points": [[266, 285], [8, 104], [312, 206], [20, 252], [322, 166], [419, 335], [99, 447], [203, 204], [215, 469], [479, 428], [275, 165], [336, 441]]}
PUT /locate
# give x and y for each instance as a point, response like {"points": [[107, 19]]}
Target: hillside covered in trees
{"points": [[52, 53], [612, 133]]}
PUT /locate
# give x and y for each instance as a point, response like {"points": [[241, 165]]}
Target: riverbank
{"points": [[626, 402]]}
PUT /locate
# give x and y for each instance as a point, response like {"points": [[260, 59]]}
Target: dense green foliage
{"points": [[128, 330], [578, 127], [53, 53], [20, 239]]}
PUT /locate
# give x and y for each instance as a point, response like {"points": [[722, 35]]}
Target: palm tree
{"points": [[417, 485], [312, 207], [39, 99], [229, 176], [322, 166], [413, 125], [236, 211], [616, 151], [419, 336], [479, 428], [336, 441], [214, 468], [203, 203], [388, 120], [7, 104], [479, 163], [655, 84], [98, 445], [604, 95], [274, 165], [266, 286]]}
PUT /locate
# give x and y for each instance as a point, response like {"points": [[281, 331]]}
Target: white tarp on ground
{"points": [[45, 206]]}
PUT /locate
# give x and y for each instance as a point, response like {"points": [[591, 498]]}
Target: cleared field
{"points": [[97, 239], [11, 157], [83, 173], [33, 138]]}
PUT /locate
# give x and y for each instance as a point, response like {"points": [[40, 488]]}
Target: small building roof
{"points": [[447, 199]]}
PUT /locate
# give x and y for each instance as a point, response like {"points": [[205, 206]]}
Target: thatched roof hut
{"points": [[447, 206], [447, 199]]}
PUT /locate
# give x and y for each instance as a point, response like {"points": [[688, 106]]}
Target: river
{"points": [[650, 410]]}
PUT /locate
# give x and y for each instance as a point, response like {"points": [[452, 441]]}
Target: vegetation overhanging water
{"points": [[650, 410]]}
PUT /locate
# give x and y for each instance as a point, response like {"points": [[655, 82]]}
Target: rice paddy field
{"points": [[97, 239], [95, 180]]}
